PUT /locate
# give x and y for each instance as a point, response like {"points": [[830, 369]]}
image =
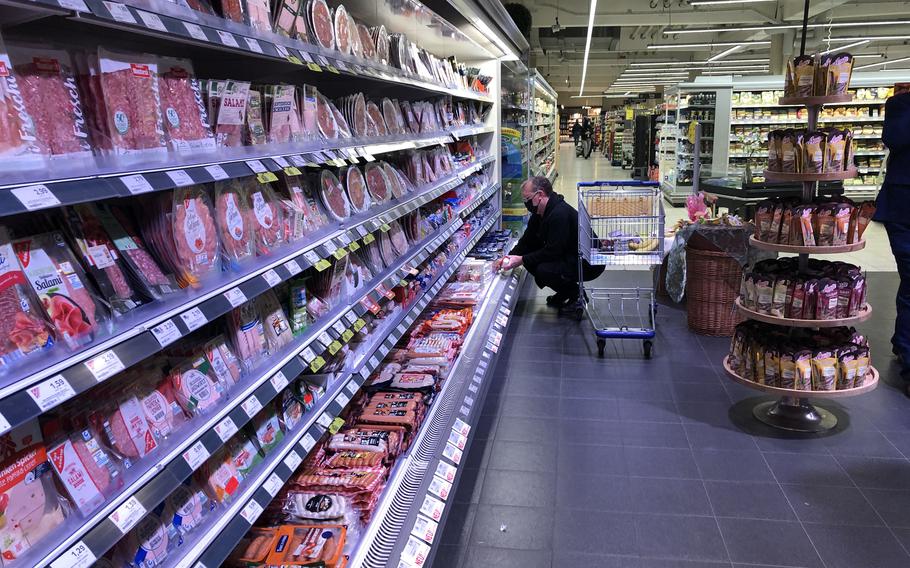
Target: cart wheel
{"points": [[601, 345], [579, 312], [647, 344]]}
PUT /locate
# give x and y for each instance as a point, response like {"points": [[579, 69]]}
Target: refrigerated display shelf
{"points": [[224, 531], [138, 336], [853, 102], [821, 120], [149, 488]]}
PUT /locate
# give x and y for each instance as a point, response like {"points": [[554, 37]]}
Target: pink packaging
{"points": [[186, 121]]}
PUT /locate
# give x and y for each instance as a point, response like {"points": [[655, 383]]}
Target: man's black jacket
{"points": [[894, 198], [552, 237]]}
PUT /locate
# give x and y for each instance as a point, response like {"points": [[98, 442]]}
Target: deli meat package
{"points": [[19, 146], [23, 327], [185, 118], [57, 278], [196, 385], [132, 102], [50, 94], [266, 217], [234, 222], [227, 103], [30, 506]]}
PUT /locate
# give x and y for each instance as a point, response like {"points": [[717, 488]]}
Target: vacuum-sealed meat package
{"points": [[244, 454], [233, 217], [185, 508], [86, 468], [186, 121], [325, 118], [265, 217], [126, 427], [132, 102], [275, 323], [321, 21], [18, 136], [356, 188], [196, 385], [333, 196], [247, 334], [284, 117], [230, 108], [48, 90], [148, 544], [68, 299], [259, 15], [255, 127], [162, 411], [194, 234], [224, 361], [219, 476]]}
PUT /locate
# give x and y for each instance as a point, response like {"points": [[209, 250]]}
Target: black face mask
{"points": [[530, 205]]}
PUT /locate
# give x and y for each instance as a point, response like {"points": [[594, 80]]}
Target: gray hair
{"points": [[540, 183]]}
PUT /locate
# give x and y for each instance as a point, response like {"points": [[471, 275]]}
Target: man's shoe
{"points": [[558, 300]]}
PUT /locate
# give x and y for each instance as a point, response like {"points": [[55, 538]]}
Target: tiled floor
{"points": [[629, 463]]}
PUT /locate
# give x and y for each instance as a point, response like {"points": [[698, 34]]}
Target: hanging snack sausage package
{"points": [[186, 120], [162, 411], [304, 545], [838, 73], [814, 152], [233, 216]]}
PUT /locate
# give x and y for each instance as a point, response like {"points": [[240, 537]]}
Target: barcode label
{"points": [[226, 428]]}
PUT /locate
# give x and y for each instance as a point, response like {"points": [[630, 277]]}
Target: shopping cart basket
{"points": [[620, 223]]}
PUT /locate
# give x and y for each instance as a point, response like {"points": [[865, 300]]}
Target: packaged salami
{"points": [[46, 79], [234, 220], [333, 195], [274, 321], [308, 112], [255, 127], [247, 334], [265, 217], [284, 117], [66, 295], [162, 411], [219, 476], [18, 132], [185, 118], [230, 106], [194, 234], [85, 467], [124, 424], [356, 188], [196, 386]]}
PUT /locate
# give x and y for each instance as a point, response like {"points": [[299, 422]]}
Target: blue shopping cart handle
{"points": [[627, 183]]}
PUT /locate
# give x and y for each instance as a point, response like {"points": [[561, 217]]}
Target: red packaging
{"points": [[186, 121]]}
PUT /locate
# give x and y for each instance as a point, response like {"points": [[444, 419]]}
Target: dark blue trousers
{"points": [[899, 235]]}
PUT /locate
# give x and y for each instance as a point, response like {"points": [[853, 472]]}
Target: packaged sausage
{"points": [[62, 288], [186, 121], [196, 386], [230, 110], [247, 334], [786, 225], [219, 476], [19, 141], [308, 545], [233, 216], [148, 544], [162, 411], [797, 300], [300, 319], [824, 370], [255, 547], [265, 217], [255, 128], [787, 369]]}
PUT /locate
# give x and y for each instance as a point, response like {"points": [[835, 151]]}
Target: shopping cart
{"points": [[620, 223]]}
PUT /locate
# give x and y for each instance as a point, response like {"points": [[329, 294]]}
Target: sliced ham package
{"points": [[186, 507], [247, 334], [234, 218], [185, 119], [283, 115], [126, 429], [163, 413], [219, 476], [86, 468]]}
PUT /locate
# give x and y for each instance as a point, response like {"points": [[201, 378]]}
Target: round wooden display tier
{"points": [[815, 101], [828, 176], [863, 315], [870, 384], [798, 249]]}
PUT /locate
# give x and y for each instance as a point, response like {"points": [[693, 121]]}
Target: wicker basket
{"points": [[712, 284]]}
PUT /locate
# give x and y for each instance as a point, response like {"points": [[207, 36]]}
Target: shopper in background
{"points": [[548, 249], [893, 210], [587, 134], [576, 131]]}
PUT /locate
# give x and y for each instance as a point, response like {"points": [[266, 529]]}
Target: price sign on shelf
{"points": [[293, 267], [452, 453], [282, 163], [415, 552], [440, 487], [195, 31], [120, 13], [256, 166], [151, 21], [273, 484], [51, 392], [324, 420], [227, 38], [79, 556], [251, 511], [225, 429], [292, 460], [217, 172], [166, 332], [251, 406], [104, 365], [432, 507], [253, 44], [196, 455], [136, 184], [425, 529], [446, 471], [279, 381], [235, 296], [127, 514], [193, 318], [308, 441], [272, 278], [34, 197]]}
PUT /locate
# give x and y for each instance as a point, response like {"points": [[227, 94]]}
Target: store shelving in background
{"points": [[544, 132]]}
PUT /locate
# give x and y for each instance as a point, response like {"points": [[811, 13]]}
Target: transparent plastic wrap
{"points": [[148, 544], [228, 99], [290, 409], [275, 323], [259, 15], [265, 217], [255, 127], [299, 316], [197, 387], [234, 219], [68, 298], [30, 506], [224, 361], [356, 187], [219, 476], [267, 430], [132, 102], [163, 413], [19, 146], [377, 182], [344, 131], [284, 116], [124, 424], [325, 118], [320, 20], [185, 118], [307, 105], [375, 115], [247, 334], [333, 195], [185, 509], [244, 453], [50, 94]]}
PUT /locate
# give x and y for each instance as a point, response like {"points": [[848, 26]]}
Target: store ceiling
{"points": [[623, 57]]}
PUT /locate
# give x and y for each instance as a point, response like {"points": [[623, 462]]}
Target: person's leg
{"points": [[899, 236], [553, 275]]}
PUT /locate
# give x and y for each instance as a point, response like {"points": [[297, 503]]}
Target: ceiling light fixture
{"points": [[584, 69], [869, 56], [849, 45], [772, 27], [686, 63], [723, 2], [708, 45], [870, 38], [723, 54], [880, 63], [743, 72]]}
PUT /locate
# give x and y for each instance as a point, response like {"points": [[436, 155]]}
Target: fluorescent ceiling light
{"points": [[753, 72], [584, 68], [687, 63], [871, 38], [869, 56], [709, 44], [723, 2], [771, 27], [723, 54], [880, 63], [627, 93], [728, 68], [849, 45]]}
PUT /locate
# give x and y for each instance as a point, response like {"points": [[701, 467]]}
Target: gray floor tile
{"points": [[900, 440], [588, 389], [799, 444], [458, 524], [669, 496], [807, 469], [749, 500], [484, 557], [653, 435], [709, 437], [594, 492], [668, 563], [877, 473], [777, 543], [661, 462], [700, 392], [727, 465], [523, 456], [831, 505], [713, 413], [852, 547], [893, 506], [641, 390], [521, 351], [584, 432], [903, 535], [596, 460], [449, 556], [518, 488], [588, 369], [530, 368], [562, 558], [518, 406], [677, 537], [526, 430], [591, 532], [587, 409], [648, 411], [866, 443], [533, 386], [470, 485], [498, 526]]}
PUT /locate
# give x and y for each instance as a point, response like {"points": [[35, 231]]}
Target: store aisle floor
{"points": [[633, 463]]}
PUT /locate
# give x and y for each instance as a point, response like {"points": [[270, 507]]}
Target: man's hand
{"points": [[509, 262]]}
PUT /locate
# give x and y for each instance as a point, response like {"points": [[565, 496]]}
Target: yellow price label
{"points": [[317, 363], [358, 325], [334, 347], [266, 177], [414, 272], [347, 335], [336, 425], [403, 283], [295, 60], [384, 228], [353, 246], [292, 171], [368, 239], [340, 253], [322, 265], [314, 67], [332, 69]]}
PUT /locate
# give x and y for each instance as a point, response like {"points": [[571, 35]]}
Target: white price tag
{"points": [[465, 410], [432, 507], [195, 31], [342, 399], [227, 38], [297, 161], [282, 163], [452, 453], [196, 455], [308, 442], [78, 6], [415, 552], [235, 296], [458, 440], [120, 12], [446, 471], [308, 355], [152, 21], [105, 365], [279, 381], [469, 401], [425, 528], [273, 484], [128, 514], [324, 420], [374, 362], [193, 319], [292, 460], [282, 50], [217, 172], [180, 178], [311, 257], [324, 338], [440, 487], [339, 327], [35, 196], [472, 388], [251, 406], [79, 556], [272, 278], [461, 427], [166, 332], [251, 511], [136, 183], [351, 387], [225, 429], [51, 392], [350, 317], [362, 231], [253, 44], [293, 267], [4, 424], [256, 166]]}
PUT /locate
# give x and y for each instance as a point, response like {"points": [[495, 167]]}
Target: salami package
{"points": [[18, 135], [23, 326], [265, 217], [30, 507], [132, 102], [356, 187], [86, 468], [123, 422], [185, 118], [274, 321], [67, 297], [194, 234], [230, 106], [234, 219], [325, 118], [162, 411], [247, 334], [255, 127], [196, 386], [50, 95], [320, 17]]}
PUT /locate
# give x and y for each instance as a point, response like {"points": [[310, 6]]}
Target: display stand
{"points": [[793, 411]]}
